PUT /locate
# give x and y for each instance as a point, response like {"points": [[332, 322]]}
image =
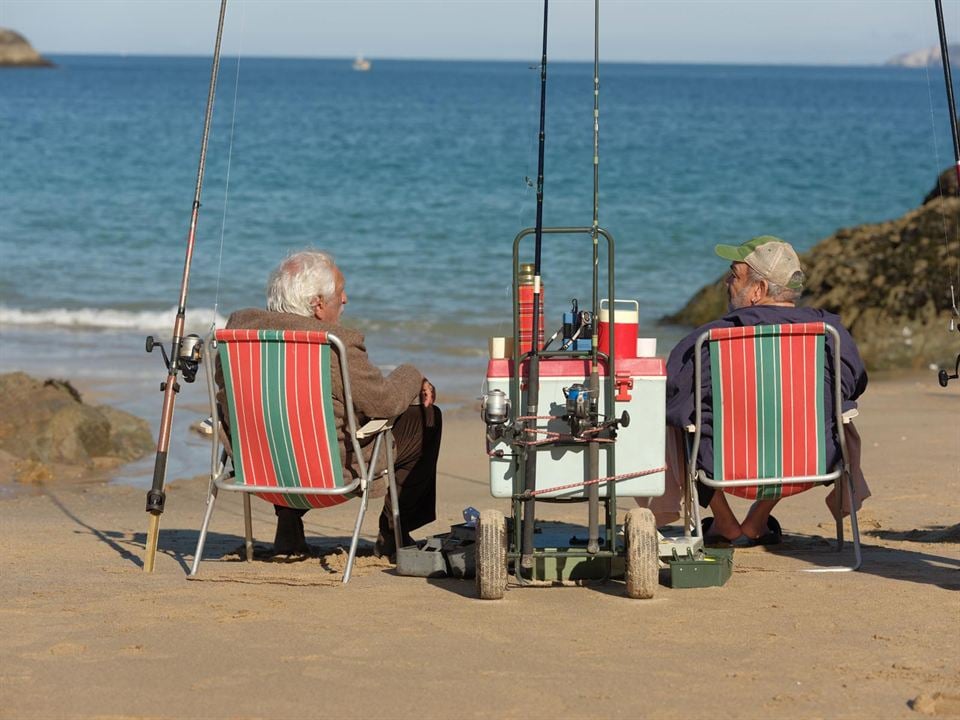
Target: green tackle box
{"points": [[713, 569]]}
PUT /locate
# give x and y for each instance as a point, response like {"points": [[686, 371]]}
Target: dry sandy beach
{"points": [[85, 633]]}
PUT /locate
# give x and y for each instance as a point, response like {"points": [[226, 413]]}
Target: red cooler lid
{"points": [[576, 367]]}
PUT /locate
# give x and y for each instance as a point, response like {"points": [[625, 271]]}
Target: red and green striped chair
{"points": [[283, 444], [769, 404]]}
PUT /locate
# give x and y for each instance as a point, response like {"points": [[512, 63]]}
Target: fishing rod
{"points": [[593, 449], [944, 378], [533, 379], [948, 79], [184, 355]]}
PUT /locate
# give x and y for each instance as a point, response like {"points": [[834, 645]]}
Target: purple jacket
{"points": [[680, 372]]}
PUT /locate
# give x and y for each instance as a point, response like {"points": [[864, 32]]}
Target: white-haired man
{"points": [[763, 286], [307, 291]]}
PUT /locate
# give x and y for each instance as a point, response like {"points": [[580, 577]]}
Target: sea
{"points": [[417, 176]]}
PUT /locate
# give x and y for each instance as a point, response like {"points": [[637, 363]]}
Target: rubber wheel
{"points": [[642, 568], [491, 551]]}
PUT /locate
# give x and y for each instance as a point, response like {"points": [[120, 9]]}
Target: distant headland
{"points": [[928, 57], [16, 51]]}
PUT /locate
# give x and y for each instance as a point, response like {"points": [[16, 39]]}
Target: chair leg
{"points": [[845, 482], [211, 499], [356, 535], [247, 527], [694, 505], [839, 487], [854, 525], [394, 495]]}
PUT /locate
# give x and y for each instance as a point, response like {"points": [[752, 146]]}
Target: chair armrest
{"points": [[372, 428], [850, 415]]}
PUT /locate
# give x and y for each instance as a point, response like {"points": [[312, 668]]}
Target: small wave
{"points": [[197, 320]]}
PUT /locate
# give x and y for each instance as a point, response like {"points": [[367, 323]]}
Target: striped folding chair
{"points": [[283, 444], [769, 400]]}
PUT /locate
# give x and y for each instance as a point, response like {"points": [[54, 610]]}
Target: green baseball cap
{"points": [[774, 259]]}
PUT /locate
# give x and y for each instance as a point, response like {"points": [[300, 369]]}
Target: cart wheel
{"points": [[491, 549], [642, 568]]}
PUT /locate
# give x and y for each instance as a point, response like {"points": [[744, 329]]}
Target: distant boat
{"points": [[361, 64]]}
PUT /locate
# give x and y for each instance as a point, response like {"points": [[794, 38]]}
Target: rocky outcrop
{"points": [[889, 282], [928, 57], [47, 431], [946, 185], [15, 51]]}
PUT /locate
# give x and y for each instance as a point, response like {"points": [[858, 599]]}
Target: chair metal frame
{"points": [[840, 473], [222, 473]]}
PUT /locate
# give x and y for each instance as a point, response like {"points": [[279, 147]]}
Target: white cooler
{"points": [[641, 391]]}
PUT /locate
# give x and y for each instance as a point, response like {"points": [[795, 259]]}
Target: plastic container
{"points": [[425, 559], [626, 325], [711, 570]]}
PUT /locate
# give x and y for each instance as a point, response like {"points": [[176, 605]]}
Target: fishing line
{"points": [[226, 188], [936, 150]]}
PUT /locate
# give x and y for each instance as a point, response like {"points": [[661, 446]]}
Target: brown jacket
{"points": [[374, 396]]}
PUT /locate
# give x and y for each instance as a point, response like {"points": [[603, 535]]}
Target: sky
{"points": [[834, 32]]}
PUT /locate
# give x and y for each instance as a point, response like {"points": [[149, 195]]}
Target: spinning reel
{"points": [[581, 412], [944, 378], [188, 357]]}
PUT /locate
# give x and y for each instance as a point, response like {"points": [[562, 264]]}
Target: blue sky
{"points": [[758, 31]]}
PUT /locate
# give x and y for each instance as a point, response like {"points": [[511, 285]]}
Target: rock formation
{"points": [[946, 185], [889, 282], [928, 57], [47, 431], [17, 52]]}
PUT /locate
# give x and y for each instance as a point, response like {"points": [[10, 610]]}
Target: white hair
{"points": [[776, 292], [301, 281]]}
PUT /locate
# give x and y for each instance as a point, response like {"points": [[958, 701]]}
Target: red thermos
{"points": [[525, 293]]}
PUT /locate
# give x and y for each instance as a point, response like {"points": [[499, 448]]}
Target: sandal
{"points": [[713, 539], [773, 536]]}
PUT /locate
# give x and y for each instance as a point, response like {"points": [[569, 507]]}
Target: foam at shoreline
{"points": [[198, 320]]}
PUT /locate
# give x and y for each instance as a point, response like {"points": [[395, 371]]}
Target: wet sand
{"points": [[85, 633]]}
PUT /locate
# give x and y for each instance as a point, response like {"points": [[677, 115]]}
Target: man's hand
{"points": [[428, 393]]}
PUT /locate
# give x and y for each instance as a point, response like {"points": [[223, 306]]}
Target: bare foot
{"points": [[752, 529], [729, 529], [754, 525], [724, 521]]}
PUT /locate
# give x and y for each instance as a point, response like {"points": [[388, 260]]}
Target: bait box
{"points": [[448, 554], [712, 569]]}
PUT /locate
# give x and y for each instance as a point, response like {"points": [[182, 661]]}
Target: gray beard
{"points": [[738, 301]]}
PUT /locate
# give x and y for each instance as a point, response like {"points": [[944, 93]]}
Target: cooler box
{"points": [[641, 391]]}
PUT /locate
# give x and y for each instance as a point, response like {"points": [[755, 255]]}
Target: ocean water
{"points": [[417, 176]]}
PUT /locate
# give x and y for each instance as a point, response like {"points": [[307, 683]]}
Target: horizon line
{"points": [[388, 58]]}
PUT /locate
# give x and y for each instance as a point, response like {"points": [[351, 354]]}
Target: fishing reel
{"points": [[581, 408], [577, 328], [942, 376], [581, 413], [189, 355], [495, 411], [495, 408], [945, 378]]}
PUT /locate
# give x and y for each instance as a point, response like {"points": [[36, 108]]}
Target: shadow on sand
{"points": [[893, 563], [181, 544]]}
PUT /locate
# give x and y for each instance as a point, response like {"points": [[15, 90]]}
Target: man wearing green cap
{"points": [[764, 284]]}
